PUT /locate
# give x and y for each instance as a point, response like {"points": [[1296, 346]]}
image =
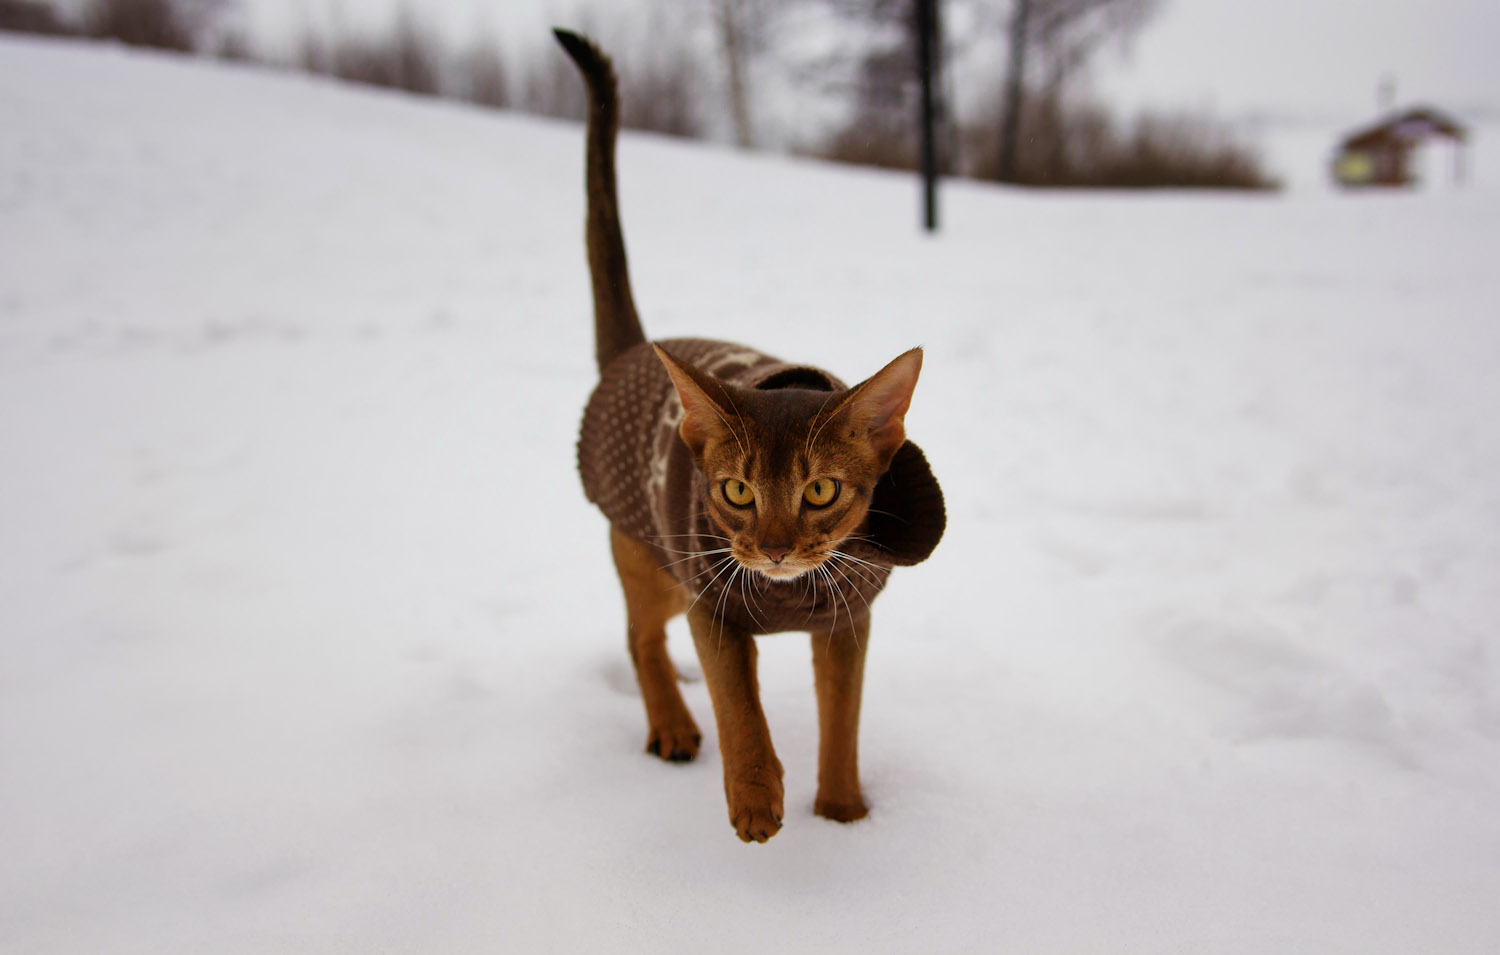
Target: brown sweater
{"points": [[636, 468]]}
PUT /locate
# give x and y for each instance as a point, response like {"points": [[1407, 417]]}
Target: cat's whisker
{"points": [[867, 571], [812, 588], [871, 579], [757, 583], [863, 577], [843, 555], [833, 599], [662, 537], [673, 550], [748, 600], [828, 644], [718, 615], [739, 570], [853, 586], [848, 610], [692, 554], [714, 565], [839, 594], [722, 564], [833, 544]]}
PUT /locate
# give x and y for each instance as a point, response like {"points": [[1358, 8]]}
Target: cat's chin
{"points": [[775, 572]]}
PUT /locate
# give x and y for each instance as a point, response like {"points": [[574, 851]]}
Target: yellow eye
{"points": [[738, 493], [821, 492]]}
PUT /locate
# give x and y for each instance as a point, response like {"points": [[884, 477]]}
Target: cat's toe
{"points": [[675, 746], [755, 806]]}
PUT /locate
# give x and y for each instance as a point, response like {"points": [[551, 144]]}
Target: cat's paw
{"points": [[676, 743], [841, 811], [755, 809], [757, 825]]}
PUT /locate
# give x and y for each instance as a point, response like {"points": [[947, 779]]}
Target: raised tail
{"points": [[616, 324]]}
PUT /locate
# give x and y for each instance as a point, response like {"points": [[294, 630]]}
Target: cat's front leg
{"points": [[839, 673], [752, 773]]}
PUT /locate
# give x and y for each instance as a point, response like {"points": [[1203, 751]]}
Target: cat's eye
{"points": [[822, 492], [738, 493]]}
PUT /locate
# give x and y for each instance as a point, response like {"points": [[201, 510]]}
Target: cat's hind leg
{"points": [[652, 598]]}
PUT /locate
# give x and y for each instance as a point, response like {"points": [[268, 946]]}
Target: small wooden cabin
{"points": [[1380, 155]]}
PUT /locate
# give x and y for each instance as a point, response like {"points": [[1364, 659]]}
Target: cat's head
{"points": [[791, 471]]}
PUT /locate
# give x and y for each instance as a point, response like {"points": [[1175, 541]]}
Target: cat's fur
{"points": [[754, 495]]}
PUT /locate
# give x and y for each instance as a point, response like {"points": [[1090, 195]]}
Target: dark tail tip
{"points": [[589, 58]]}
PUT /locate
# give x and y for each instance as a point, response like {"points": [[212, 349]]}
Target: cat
{"points": [[755, 496]]}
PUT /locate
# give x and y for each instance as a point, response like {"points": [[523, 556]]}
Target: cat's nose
{"points": [[775, 553]]}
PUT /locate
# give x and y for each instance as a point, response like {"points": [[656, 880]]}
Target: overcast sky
{"points": [[1321, 57]]}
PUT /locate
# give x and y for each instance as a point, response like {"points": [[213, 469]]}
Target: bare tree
{"points": [[33, 16], [887, 86], [550, 85], [880, 131], [743, 30], [236, 46], [414, 53], [408, 57], [659, 91], [660, 77], [313, 54], [1055, 38], [484, 79], [165, 24]]}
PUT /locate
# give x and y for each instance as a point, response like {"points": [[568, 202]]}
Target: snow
{"points": [[310, 643]]}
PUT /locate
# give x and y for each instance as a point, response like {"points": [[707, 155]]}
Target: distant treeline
{"points": [[1060, 137]]}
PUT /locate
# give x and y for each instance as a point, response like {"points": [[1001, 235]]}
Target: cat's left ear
{"points": [[877, 406]]}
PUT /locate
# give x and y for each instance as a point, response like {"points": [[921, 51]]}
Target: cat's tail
{"points": [[616, 324]]}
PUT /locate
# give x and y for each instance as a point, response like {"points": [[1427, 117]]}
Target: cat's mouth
{"points": [[788, 568]]}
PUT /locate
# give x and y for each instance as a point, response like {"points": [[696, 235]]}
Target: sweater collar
{"points": [[907, 517]]}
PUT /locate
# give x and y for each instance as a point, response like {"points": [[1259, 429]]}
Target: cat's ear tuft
{"points": [[877, 406], [705, 403]]}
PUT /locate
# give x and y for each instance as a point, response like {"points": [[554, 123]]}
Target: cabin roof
{"points": [[1405, 127]]}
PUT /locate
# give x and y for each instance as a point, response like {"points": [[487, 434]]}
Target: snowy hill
{"points": [[309, 641]]}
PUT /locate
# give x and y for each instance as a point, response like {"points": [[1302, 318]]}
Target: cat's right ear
{"points": [[706, 405], [876, 407]]}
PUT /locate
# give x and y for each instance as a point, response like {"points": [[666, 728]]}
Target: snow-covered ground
{"points": [[309, 641]]}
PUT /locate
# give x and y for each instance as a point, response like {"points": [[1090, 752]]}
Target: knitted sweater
{"points": [[638, 471]]}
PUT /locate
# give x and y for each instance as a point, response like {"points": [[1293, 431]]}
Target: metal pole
{"points": [[926, 56], [1010, 113]]}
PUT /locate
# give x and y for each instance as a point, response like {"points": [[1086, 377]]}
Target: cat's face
{"points": [[790, 472]]}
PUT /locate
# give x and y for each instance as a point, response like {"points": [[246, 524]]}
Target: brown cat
{"points": [[754, 495]]}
